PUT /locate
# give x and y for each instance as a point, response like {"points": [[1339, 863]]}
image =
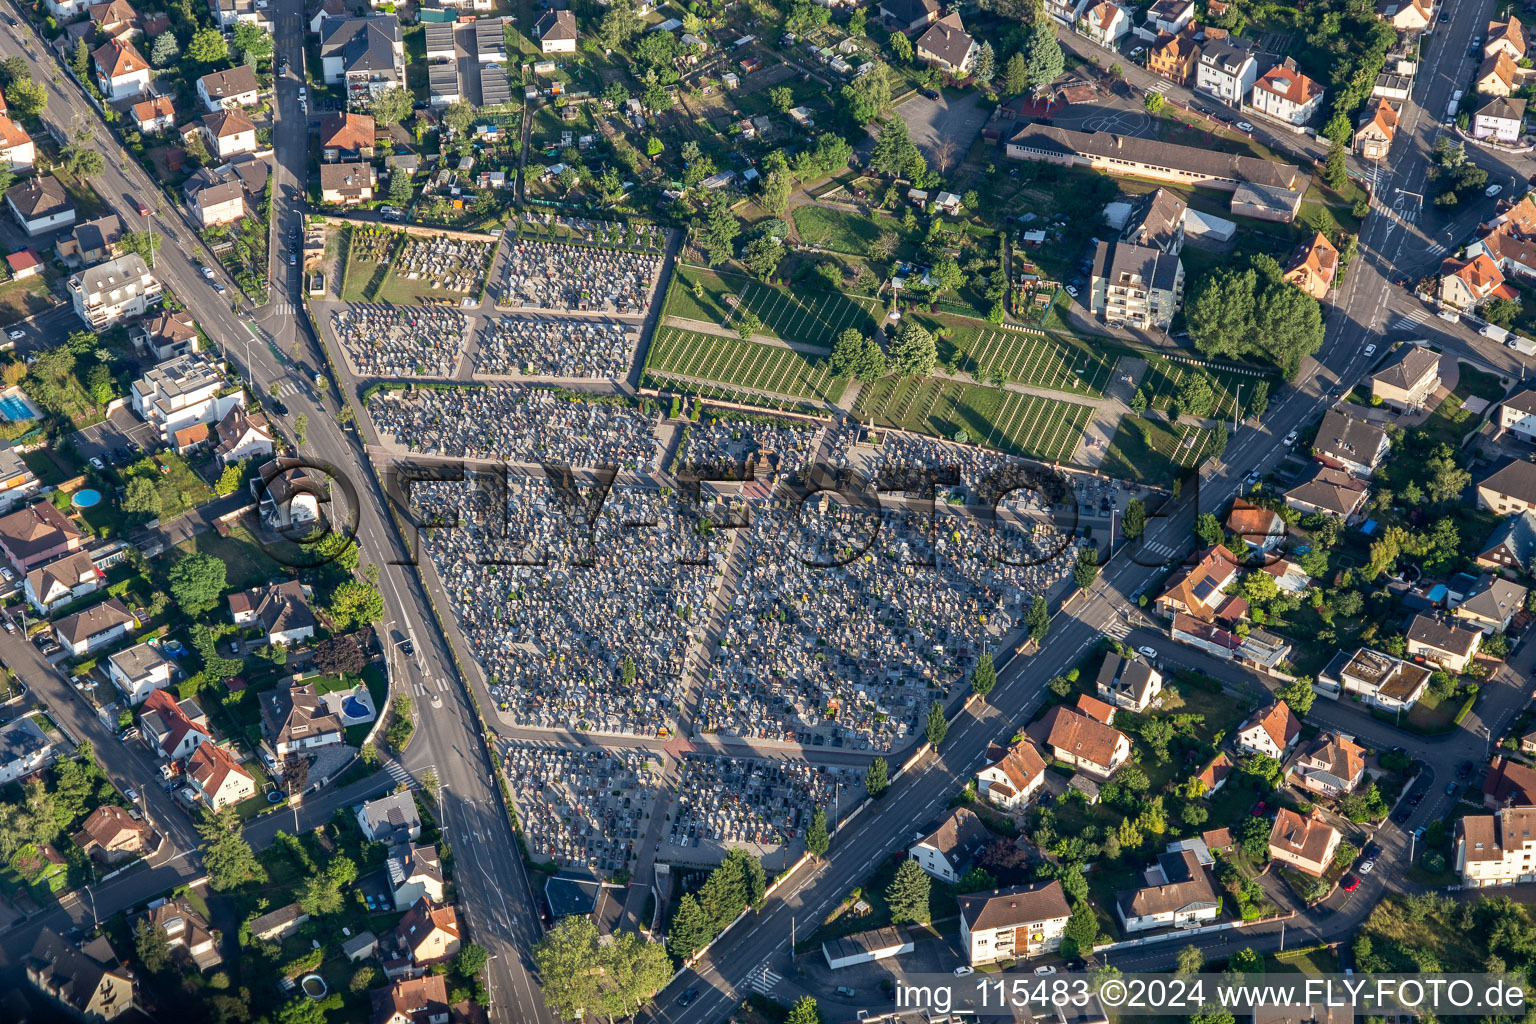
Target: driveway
{"points": [[115, 431], [944, 129]]}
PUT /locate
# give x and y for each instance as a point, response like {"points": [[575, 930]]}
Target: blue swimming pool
{"points": [[87, 498], [14, 408], [354, 708]]}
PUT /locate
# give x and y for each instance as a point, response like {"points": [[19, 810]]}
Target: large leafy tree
{"points": [[392, 106], [208, 46], [197, 583], [854, 355], [253, 42], [914, 352], [718, 236], [1043, 59], [228, 858], [869, 95]]}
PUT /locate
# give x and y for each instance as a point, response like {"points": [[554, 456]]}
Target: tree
{"points": [[1258, 400], [153, 946], [1266, 769], [894, 153], [356, 603], [1081, 931], [763, 255], [984, 65], [253, 42], [1153, 102], [1502, 312], [914, 351], [816, 839], [1446, 479], [165, 49], [868, 96], [197, 582], [854, 355], [1190, 960], [141, 497], [227, 857], [1335, 172], [748, 324], [26, 98], [619, 25], [82, 161], [1015, 75], [1208, 530], [907, 895], [79, 62], [208, 46], [1134, 522], [805, 1010], [1038, 618], [719, 235], [983, 676], [1298, 694], [144, 243], [938, 724], [196, 149], [299, 1010], [400, 190], [1086, 568], [1043, 59], [392, 106], [877, 778]]}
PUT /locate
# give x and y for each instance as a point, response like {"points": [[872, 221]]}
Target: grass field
{"points": [[1164, 376], [1055, 362], [1022, 424], [1131, 457], [245, 562], [836, 230], [815, 318], [746, 364]]}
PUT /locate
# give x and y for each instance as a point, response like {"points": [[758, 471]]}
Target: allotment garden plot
{"points": [[1035, 360], [679, 355], [812, 317], [1044, 428]]}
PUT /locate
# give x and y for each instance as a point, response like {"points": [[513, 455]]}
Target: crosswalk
{"points": [[1158, 548], [1159, 86], [425, 686], [286, 388], [1117, 628], [284, 308], [762, 980], [1408, 321], [396, 771]]}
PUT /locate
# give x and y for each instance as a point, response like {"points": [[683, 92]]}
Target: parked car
{"points": [[962, 971], [1452, 788], [1290, 438], [208, 273], [98, 463], [15, 335], [1071, 291], [1147, 652], [1044, 971], [1493, 190], [1365, 867], [1350, 883], [688, 997], [1244, 126]]}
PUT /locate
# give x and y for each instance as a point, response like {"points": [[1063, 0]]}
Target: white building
{"points": [[230, 89], [1225, 72], [23, 749], [61, 581], [1013, 924], [1497, 849], [182, 392], [948, 851], [1013, 776], [113, 291], [1286, 94], [140, 670], [1179, 894], [1272, 731]]}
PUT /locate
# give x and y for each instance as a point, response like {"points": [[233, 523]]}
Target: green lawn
{"points": [[21, 299], [1012, 422], [1058, 362], [1164, 376], [246, 563], [685, 355], [1144, 450], [49, 468], [180, 489], [812, 317], [837, 230]]}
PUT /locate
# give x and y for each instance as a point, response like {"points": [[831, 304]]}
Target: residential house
{"points": [[347, 184], [1313, 266], [1174, 57], [61, 581], [949, 850], [1355, 446], [1373, 139], [1271, 730], [1407, 382], [40, 205], [1491, 604], [1215, 773], [1304, 843], [1496, 849], [1156, 221], [24, 263], [279, 924], [1286, 94], [17, 481], [422, 1000], [66, 10], [1225, 71], [94, 628], [111, 292], [391, 819], [556, 32], [220, 782], [1509, 784], [89, 982], [280, 609], [347, 137], [1443, 644], [229, 89], [1170, 16], [1083, 742], [1330, 765], [1148, 158], [1331, 491], [157, 114], [326, 10], [947, 45], [166, 335], [1290, 577], [415, 871], [187, 932], [1517, 414], [172, 728], [909, 15], [242, 434], [1129, 683], [1510, 489], [1197, 590], [37, 534], [428, 932], [110, 835], [366, 55], [1258, 648], [140, 670], [16, 149], [1104, 22], [1135, 285], [1497, 76], [1502, 119], [1506, 37], [295, 720], [1179, 894], [1260, 529], [92, 241], [223, 203], [24, 748], [1013, 775], [1511, 545], [1013, 924], [1382, 680], [288, 496], [121, 70], [229, 133], [182, 392]]}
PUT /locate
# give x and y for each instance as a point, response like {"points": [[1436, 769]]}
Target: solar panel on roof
{"points": [[1204, 588]]}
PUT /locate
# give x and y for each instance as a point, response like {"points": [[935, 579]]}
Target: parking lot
{"points": [[121, 429], [944, 127]]}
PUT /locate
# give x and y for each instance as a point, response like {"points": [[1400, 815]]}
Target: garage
{"points": [[865, 947]]}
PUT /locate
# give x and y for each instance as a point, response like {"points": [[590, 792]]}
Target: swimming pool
{"points": [[87, 498], [14, 408], [354, 708]]}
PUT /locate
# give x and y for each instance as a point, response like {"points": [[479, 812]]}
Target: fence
{"points": [[1185, 933]]}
